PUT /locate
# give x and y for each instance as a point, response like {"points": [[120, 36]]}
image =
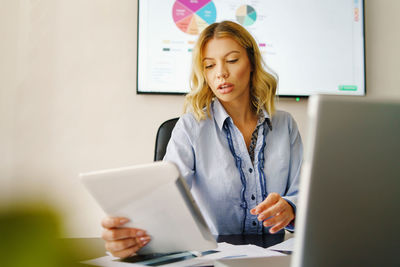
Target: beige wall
{"points": [[68, 99]]}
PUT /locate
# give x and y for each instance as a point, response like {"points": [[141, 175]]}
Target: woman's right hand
{"points": [[122, 242]]}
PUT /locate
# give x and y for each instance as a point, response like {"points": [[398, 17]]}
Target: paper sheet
{"points": [[225, 251], [287, 246]]}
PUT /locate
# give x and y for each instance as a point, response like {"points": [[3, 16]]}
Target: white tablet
{"points": [[155, 198]]}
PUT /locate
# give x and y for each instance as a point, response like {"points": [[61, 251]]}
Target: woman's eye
{"points": [[209, 66], [232, 60]]}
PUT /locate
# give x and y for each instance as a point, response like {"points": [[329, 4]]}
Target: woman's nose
{"points": [[222, 73]]}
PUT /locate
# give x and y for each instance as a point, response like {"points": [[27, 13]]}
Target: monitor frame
{"points": [[297, 97]]}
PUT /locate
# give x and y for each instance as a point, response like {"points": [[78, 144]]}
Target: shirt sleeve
{"points": [[180, 149], [296, 158]]}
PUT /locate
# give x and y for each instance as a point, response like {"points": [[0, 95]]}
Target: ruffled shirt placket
{"points": [[251, 173]]}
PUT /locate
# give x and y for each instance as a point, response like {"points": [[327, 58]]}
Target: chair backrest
{"points": [[162, 138]]}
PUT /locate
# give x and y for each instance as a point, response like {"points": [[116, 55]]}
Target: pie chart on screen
{"points": [[192, 16], [246, 15]]}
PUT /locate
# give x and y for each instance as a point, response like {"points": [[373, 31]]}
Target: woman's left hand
{"points": [[275, 211]]}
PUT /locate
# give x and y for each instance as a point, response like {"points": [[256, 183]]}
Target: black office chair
{"points": [[162, 138]]}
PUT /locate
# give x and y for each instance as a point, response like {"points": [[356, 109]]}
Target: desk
{"points": [[94, 247], [264, 241]]}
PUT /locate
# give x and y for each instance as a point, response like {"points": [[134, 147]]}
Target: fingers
{"points": [[278, 207], [113, 222], [279, 226], [120, 245], [275, 211], [126, 247], [119, 250], [271, 199], [279, 221], [122, 242], [112, 234]]}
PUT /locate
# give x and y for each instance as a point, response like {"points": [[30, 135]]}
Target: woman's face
{"points": [[227, 69]]}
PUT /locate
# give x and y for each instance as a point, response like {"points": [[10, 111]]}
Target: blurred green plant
{"points": [[30, 236]]}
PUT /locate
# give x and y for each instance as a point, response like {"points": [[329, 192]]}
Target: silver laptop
{"points": [[155, 198], [349, 209]]}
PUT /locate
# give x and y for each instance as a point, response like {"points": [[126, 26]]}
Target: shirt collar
{"points": [[220, 115]]}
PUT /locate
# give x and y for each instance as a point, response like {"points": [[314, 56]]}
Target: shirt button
{"points": [[250, 170], [254, 223], [253, 197]]}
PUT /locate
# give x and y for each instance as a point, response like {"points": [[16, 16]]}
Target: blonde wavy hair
{"points": [[262, 83]]}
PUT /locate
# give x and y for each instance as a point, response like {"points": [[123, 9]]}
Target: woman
{"points": [[241, 158]]}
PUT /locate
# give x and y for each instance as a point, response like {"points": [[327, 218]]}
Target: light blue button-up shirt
{"points": [[202, 153]]}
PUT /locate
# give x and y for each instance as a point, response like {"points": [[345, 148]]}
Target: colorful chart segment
{"points": [[246, 15], [192, 16]]}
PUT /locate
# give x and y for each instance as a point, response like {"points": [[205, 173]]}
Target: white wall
{"points": [[68, 99]]}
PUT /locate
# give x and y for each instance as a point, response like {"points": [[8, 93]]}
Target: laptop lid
{"points": [[348, 211]]}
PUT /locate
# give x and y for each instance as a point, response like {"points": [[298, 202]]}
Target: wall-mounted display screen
{"points": [[314, 46]]}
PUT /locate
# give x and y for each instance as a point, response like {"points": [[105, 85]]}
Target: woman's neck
{"points": [[240, 112]]}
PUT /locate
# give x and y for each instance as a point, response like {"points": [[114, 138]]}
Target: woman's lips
{"points": [[225, 88]]}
